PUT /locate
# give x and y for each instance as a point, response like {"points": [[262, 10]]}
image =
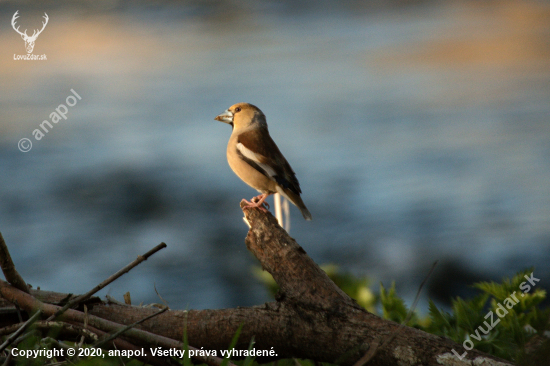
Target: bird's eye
{"points": [[238, 109]]}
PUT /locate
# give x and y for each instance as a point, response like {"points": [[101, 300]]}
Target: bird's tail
{"points": [[296, 201], [305, 212]]}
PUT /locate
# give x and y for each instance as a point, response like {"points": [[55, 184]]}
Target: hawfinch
{"points": [[255, 158]]}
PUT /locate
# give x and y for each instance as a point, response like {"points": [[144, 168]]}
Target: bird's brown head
{"points": [[242, 115]]}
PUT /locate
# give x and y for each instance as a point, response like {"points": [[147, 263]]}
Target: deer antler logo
{"points": [[29, 41]]}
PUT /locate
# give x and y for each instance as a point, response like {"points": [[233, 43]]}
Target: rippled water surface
{"points": [[417, 133]]}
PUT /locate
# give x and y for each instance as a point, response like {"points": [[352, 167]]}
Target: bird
{"points": [[255, 158]]}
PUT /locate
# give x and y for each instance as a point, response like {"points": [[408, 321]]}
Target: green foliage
{"points": [[500, 321], [507, 336], [108, 361], [358, 288], [249, 360], [464, 315], [186, 361], [266, 279], [234, 341], [515, 331], [393, 307]]}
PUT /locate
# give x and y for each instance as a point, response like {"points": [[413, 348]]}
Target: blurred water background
{"points": [[419, 131]]}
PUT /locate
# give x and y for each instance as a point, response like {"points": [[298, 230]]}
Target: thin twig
{"points": [[19, 331], [160, 297], [8, 359], [124, 329], [376, 346], [127, 298], [85, 326], [54, 342], [112, 278], [126, 345], [119, 356], [18, 313], [28, 302], [11, 274], [62, 327], [112, 300], [30, 333]]}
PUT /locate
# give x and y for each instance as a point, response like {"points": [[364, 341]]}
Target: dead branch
{"points": [[103, 341], [20, 330], [11, 274], [29, 303], [123, 344], [86, 296], [70, 330], [49, 297], [311, 317], [377, 346]]}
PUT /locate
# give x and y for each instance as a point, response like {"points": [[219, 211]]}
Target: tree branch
{"points": [[29, 303], [75, 301], [11, 274], [20, 330], [312, 318]]}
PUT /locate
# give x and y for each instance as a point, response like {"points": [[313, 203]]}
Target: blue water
{"points": [[418, 133]]}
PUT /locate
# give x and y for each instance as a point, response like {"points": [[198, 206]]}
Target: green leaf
{"points": [[393, 307], [232, 344]]}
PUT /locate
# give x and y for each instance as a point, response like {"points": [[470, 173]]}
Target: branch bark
{"points": [[11, 274], [311, 317], [30, 304]]}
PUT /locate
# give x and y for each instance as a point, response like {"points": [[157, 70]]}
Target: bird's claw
{"points": [[254, 204], [257, 198]]}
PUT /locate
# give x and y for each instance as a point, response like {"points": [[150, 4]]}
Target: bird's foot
{"points": [[258, 202], [254, 205]]}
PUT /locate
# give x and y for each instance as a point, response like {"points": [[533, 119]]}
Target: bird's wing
{"points": [[258, 149]]}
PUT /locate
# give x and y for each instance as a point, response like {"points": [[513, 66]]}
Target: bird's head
{"points": [[242, 115]]}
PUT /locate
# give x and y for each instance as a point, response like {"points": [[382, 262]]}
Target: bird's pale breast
{"points": [[247, 173]]}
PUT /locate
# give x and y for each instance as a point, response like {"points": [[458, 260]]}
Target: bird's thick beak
{"points": [[226, 117]]}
